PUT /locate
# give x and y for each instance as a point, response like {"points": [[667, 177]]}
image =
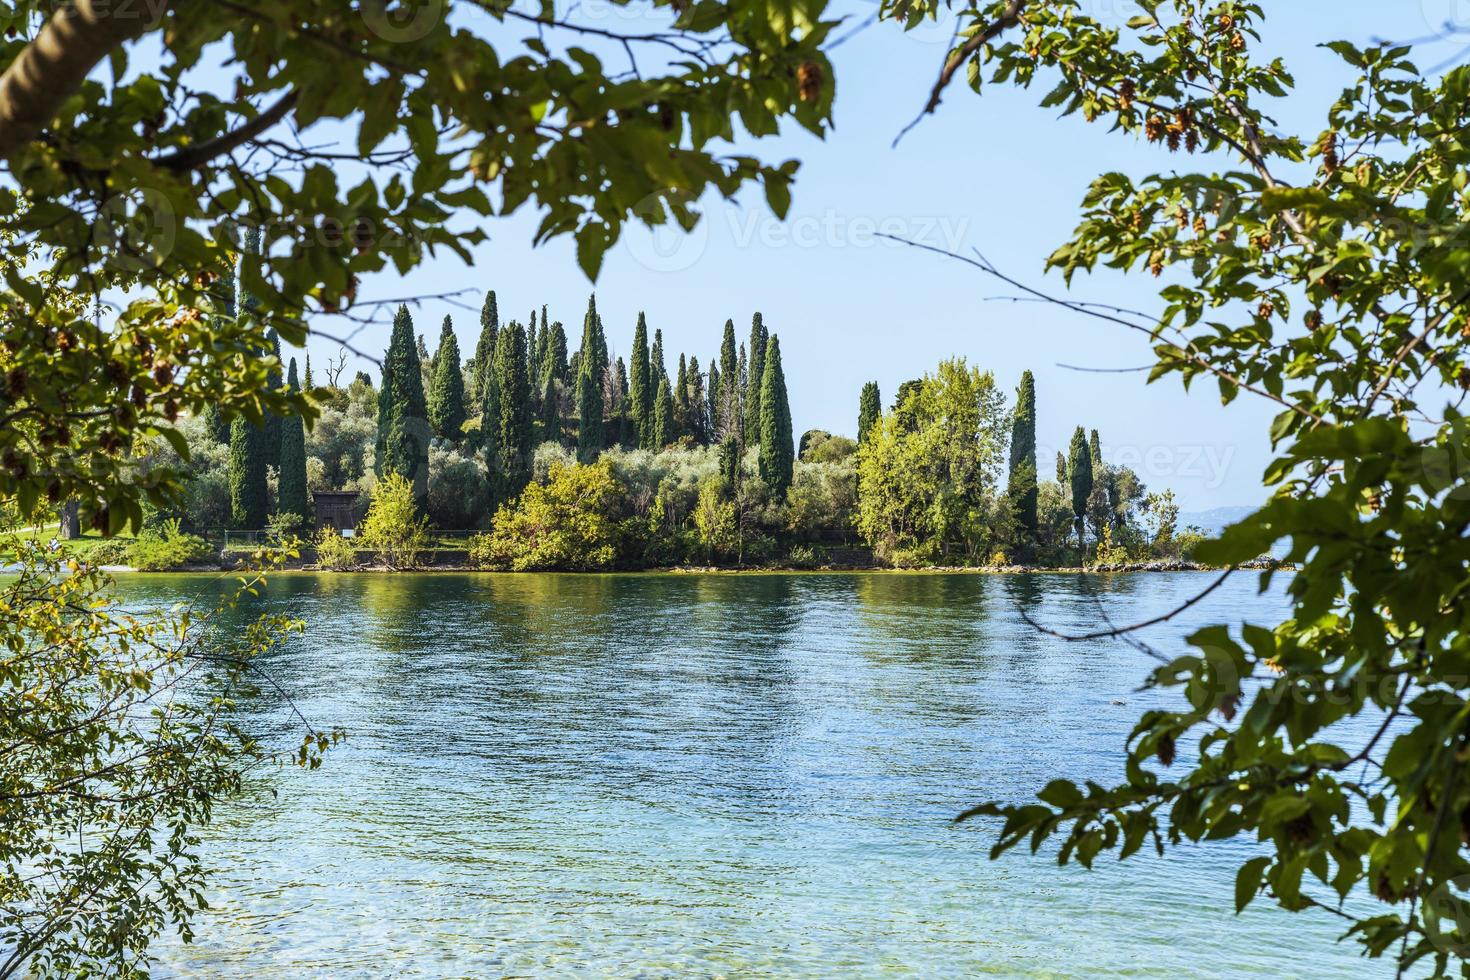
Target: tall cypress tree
{"points": [[681, 398], [550, 408], [515, 436], [728, 421], [656, 361], [698, 404], [555, 357], [291, 495], [663, 415], [870, 409], [1061, 469], [1079, 474], [306, 382], [482, 365], [627, 437], [758, 340], [446, 397], [1094, 446], [403, 424], [640, 391], [249, 496], [713, 390], [777, 451], [1022, 489], [272, 440], [589, 386]]}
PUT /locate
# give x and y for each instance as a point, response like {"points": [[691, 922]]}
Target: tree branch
{"points": [[198, 155], [53, 66], [1008, 19]]}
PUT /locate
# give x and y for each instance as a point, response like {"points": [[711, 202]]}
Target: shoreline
{"points": [[1130, 568]]}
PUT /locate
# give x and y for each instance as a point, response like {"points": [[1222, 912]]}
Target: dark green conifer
{"points": [[698, 404], [777, 450], [515, 435], [1022, 485], [640, 389], [590, 369], [1094, 446], [482, 364], [713, 391], [291, 495], [272, 420], [555, 358], [727, 421], [870, 409], [446, 397], [1062, 469], [249, 495], [758, 340], [681, 398], [1079, 475], [403, 424], [663, 415]]}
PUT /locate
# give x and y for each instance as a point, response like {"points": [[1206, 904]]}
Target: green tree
{"points": [[403, 426], [1061, 469], [728, 422], [663, 415], [640, 390], [1023, 482], [550, 408], [1094, 447], [681, 398], [249, 495], [291, 497], [565, 524], [870, 408], [555, 358], [777, 450], [515, 434], [758, 339], [1080, 479], [590, 368], [698, 404], [446, 398], [482, 364], [394, 526], [714, 402]]}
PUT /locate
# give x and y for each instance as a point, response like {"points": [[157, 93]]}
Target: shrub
{"points": [[804, 556], [334, 551], [714, 520], [393, 527], [165, 547], [459, 492], [565, 524]]}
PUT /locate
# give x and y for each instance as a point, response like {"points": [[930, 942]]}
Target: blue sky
{"points": [[992, 172]]}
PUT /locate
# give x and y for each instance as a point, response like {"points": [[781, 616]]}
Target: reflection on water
{"points": [[708, 775]]}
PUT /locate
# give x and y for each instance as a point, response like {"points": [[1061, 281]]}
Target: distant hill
{"points": [[1214, 521]]}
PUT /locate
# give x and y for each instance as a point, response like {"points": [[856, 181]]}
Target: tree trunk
{"points": [[71, 521]]}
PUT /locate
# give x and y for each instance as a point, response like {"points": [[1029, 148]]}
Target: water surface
{"points": [[657, 775]]}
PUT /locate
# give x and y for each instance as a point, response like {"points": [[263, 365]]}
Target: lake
{"points": [[658, 775]]}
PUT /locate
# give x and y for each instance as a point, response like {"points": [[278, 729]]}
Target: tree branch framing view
{"points": [[194, 192]]}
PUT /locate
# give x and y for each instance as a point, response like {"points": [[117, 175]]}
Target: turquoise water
{"points": [[711, 776]]}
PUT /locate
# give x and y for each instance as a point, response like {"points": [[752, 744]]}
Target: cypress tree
{"points": [[403, 436], [728, 421], [249, 496], [1094, 446], [482, 365], [291, 496], [555, 358], [1079, 474], [714, 401], [730, 466], [626, 435], [698, 404], [589, 387], [446, 397], [1023, 489], [681, 398], [515, 435], [870, 409], [663, 415], [758, 340], [777, 452], [490, 430], [538, 355], [656, 361], [306, 382], [640, 391], [1061, 469], [550, 408]]}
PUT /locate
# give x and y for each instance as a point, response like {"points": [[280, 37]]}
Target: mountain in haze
{"points": [[1216, 520]]}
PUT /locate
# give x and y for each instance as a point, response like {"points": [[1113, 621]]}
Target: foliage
{"points": [[1079, 479], [1324, 272], [927, 469], [333, 551], [157, 549], [759, 339], [403, 426], [1022, 485], [641, 386], [125, 748], [510, 466], [393, 527], [446, 394], [663, 415], [459, 490], [291, 497], [563, 524], [777, 451], [249, 495], [590, 370], [715, 521], [870, 408], [482, 365]]}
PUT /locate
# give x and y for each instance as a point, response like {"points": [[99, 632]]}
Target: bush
{"points": [[334, 551], [165, 547], [805, 556], [393, 527], [565, 524], [459, 492]]}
